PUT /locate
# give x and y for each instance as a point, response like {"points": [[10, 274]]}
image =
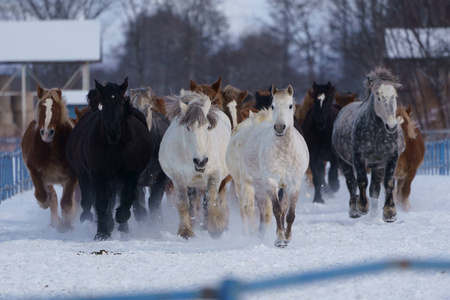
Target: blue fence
{"points": [[14, 175], [233, 289], [437, 158]]}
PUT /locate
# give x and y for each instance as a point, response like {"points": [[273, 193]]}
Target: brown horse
{"points": [[344, 99], [410, 160], [44, 152], [233, 105], [212, 91]]}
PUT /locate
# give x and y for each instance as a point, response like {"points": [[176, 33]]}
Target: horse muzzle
{"points": [[280, 129], [200, 166], [390, 130], [47, 135]]}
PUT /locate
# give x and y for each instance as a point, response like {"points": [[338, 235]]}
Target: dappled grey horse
{"points": [[367, 135]]}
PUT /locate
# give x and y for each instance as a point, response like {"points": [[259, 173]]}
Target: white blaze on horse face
{"points": [[233, 112], [48, 112], [385, 105], [321, 97], [197, 140]]}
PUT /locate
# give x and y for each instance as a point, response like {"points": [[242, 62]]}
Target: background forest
{"points": [[165, 43]]}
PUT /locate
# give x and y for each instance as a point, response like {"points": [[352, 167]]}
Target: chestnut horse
{"points": [[212, 91], [410, 160], [44, 153], [233, 105]]}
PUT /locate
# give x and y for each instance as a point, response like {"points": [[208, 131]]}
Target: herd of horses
{"points": [[189, 146]]}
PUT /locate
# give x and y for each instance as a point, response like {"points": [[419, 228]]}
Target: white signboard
{"points": [[50, 41]]}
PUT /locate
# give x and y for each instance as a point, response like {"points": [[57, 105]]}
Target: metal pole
{"points": [[24, 95], [85, 77]]}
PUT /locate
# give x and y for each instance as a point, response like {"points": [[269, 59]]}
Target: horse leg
{"points": [[68, 205], [247, 206], [389, 210], [404, 190], [195, 205], [350, 179], [216, 209], [154, 202], [361, 174], [184, 228], [374, 189], [105, 221], [290, 217], [317, 168], [272, 191], [140, 213], [333, 174], [87, 199], [53, 200], [265, 209], [40, 192], [127, 197]]}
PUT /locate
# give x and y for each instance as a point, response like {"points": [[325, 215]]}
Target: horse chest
{"points": [[376, 149]]}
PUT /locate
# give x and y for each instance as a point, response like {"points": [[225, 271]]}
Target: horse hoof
{"points": [[122, 215], [363, 209], [64, 227], [281, 243], [102, 236], [319, 200], [123, 228], [334, 186], [186, 233], [389, 214], [354, 213], [87, 216]]}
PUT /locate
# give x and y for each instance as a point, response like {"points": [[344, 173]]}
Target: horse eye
{"points": [[188, 128], [209, 127], [290, 106], [272, 107]]}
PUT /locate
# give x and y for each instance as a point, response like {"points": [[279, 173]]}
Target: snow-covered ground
{"points": [[36, 261]]}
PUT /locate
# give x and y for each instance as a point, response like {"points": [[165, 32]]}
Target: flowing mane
{"points": [[410, 124], [378, 77], [194, 111]]}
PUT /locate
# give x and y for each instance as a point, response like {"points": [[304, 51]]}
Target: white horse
{"points": [[192, 154], [272, 165]]}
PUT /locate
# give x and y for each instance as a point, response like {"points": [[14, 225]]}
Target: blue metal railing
{"points": [[233, 289], [437, 158], [14, 175]]}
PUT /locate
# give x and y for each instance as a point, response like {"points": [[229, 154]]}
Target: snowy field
{"points": [[36, 261]]}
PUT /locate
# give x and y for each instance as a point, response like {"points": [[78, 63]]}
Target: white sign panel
{"points": [[50, 41]]}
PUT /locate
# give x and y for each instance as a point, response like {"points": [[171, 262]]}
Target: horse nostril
{"points": [[51, 132], [42, 132], [196, 161], [284, 126], [205, 161]]}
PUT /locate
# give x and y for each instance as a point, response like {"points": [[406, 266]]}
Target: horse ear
{"points": [[251, 114], [99, 87], [192, 85], [40, 91], [124, 86], [408, 109], [58, 91], [290, 90], [273, 90], [243, 95], [216, 85]]}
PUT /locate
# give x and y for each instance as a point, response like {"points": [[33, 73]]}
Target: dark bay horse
{"points": [[43, 150], [109, 148], [367, 135], [410, 160], [153, 176], [317, 130]]}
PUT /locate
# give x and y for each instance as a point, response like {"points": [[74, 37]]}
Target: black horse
{"points": [[109, 149], [317, 130]]}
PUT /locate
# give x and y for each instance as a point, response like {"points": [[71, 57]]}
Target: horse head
{"points": [[283, 109], [382, 87], [51, 111], [196, 117], [323, 95], [212, 91], [113, 102]]}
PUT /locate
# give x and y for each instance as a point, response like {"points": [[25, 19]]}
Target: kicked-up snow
{"points": [[36, 261]]}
